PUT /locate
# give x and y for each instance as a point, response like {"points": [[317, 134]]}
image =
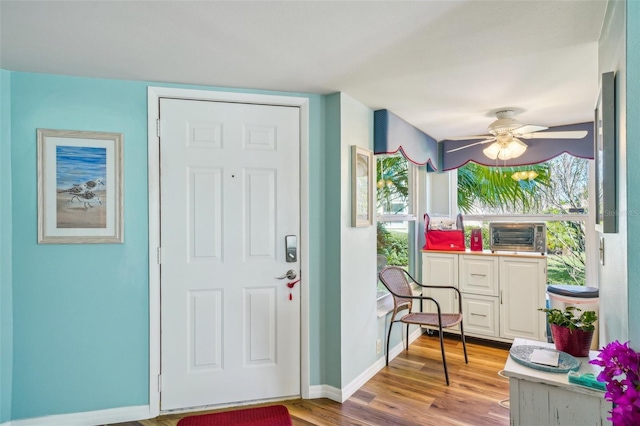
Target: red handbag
{"points": [[444, 239]]}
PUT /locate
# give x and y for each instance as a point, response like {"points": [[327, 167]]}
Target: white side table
{"points": [[539, 398]]}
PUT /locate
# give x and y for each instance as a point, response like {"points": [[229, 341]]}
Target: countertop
{"points": [[536, 255], [518, 371]]}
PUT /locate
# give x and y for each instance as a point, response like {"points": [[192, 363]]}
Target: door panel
{"points": [[229, 195], [259, 213], [260, 321], [206, 326], [206, 209]]}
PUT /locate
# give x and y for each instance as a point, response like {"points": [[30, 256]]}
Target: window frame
{"points": [[411, 218]]}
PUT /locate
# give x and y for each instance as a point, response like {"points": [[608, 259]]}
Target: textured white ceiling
{"points": [[443, 66]]}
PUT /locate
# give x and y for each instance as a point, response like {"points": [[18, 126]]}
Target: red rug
{"points": [[274, 415]]}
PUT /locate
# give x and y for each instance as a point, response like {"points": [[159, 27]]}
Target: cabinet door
{"points": [[522, 291], [480, 315], [479, 275], [541, 404], [440, 269]]}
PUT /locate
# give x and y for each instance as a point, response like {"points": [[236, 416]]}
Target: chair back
{"points": [[395, 280]]}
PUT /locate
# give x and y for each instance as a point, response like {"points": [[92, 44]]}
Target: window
{"points": [[555, 192], [396, 245]]}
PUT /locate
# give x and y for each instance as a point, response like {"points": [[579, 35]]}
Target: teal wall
{"points": [[331, 286], [6, 297], [81, 312], [317, 241], [633, 171]]}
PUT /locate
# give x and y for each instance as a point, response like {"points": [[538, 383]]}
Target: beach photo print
{"points": [[79, 187]]}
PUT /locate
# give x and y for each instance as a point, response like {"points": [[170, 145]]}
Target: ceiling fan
{"points": [[505, 133]]}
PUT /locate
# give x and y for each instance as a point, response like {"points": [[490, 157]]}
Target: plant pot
{"points": [[574, 342]]}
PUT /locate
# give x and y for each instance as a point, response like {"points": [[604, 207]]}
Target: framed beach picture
{"points": [[361, 186], [79, 187]]}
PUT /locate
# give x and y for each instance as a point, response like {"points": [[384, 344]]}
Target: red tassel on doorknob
{"points": [[291, 285]]}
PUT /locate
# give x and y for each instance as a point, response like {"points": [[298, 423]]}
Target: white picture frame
{"points": [[605, 153], [80, 187], [362, 196]]}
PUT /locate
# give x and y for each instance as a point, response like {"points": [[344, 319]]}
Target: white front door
{"points": [[229, 179]]}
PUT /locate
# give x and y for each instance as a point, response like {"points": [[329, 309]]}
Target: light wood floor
{"points": [[412, 391]]}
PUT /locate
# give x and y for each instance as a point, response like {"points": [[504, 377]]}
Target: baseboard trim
{"points": [[357, 383], [341, 395], [100, 417], [325, 391]]}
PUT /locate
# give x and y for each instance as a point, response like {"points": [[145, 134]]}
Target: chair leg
{"points": [[388, 338], [407, 334], [444, 359], [464, 343]]}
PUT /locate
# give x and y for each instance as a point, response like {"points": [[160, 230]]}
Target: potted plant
{"points": [[571, 333]]}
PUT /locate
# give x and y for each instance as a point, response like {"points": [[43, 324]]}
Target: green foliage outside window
{"points": [[492, 190], [392, 182], [394, 246], [561, 187]]}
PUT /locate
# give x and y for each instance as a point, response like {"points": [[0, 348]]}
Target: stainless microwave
{"points": [[522, 236]]}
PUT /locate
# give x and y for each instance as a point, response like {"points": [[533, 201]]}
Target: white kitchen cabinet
{"points": [[441, 269], [479, 275], [480, 315], [522, 294], [501, 293], [479, 285]]}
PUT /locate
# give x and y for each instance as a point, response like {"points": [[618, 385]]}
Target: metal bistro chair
{"points": [[395, 279]]}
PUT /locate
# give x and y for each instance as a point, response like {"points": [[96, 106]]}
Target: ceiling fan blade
{"points": [[468, 138], [571, 134], [528, 128], [472, 144]]}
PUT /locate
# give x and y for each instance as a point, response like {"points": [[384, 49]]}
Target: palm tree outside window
{"points": [[557, 195]]}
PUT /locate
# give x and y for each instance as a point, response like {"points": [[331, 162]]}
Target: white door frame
{"points": [[153, 104]]}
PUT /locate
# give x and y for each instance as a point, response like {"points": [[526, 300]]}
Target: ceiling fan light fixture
{"points": [[505, 151], [516, 148], [505, 154], [504, 133], [492, 150]]}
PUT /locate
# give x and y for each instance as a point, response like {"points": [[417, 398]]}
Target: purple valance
{"points": [[538, 150], [392, 134]]}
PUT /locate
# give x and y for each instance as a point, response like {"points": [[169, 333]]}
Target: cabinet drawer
{"points": [[480, 315], [479, 275]]}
